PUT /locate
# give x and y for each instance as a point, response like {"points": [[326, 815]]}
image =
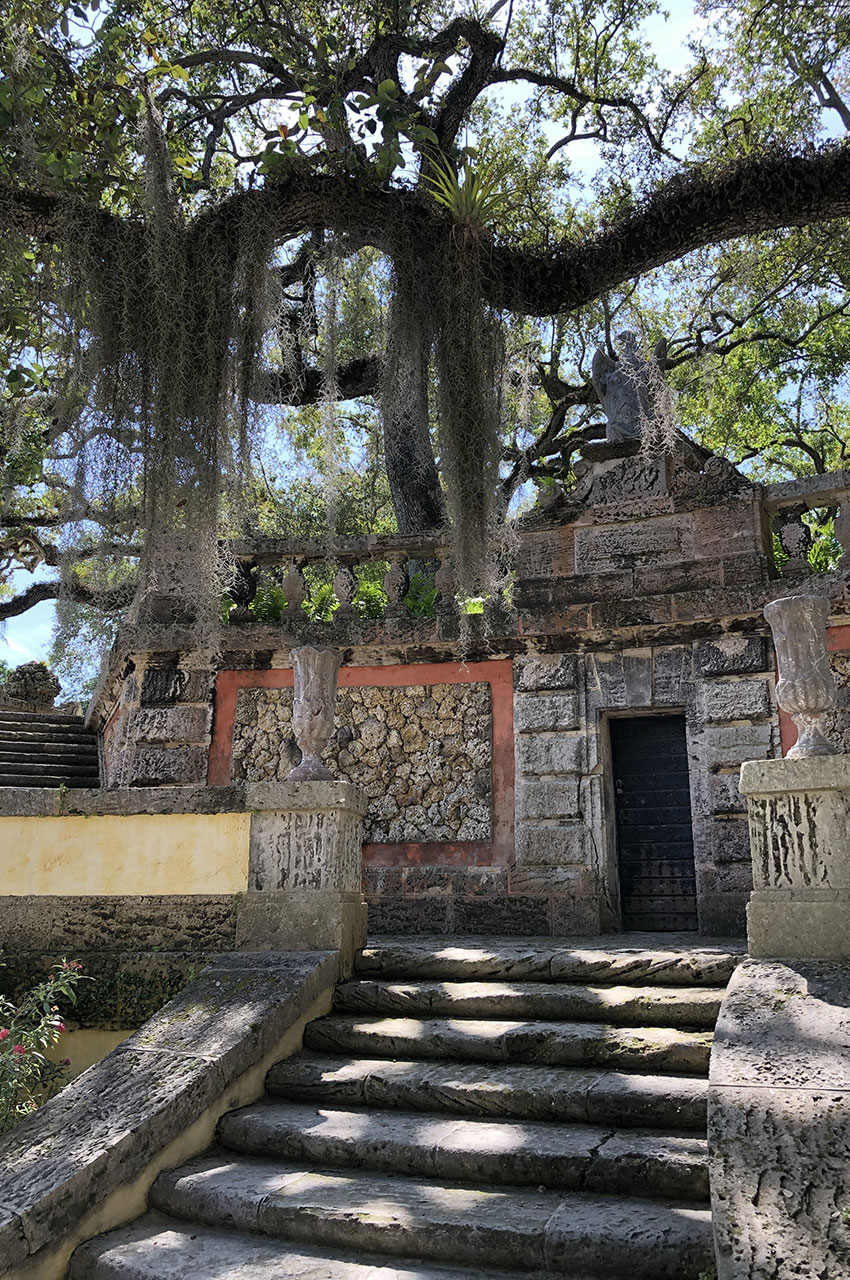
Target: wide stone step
{"points": [[156, 1246], [621, 1006], [515, 1229], [40, 717], [493, 1040], [659, 959], [72, 767], [571, 1094], [531, 1152], [50, 781], [73, 758], [69, 740]]}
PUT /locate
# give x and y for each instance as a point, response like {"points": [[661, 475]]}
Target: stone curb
{"points": [[107, 1126]]}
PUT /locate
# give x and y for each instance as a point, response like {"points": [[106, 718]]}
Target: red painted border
{"points": [[837, 640], [499, 850]]}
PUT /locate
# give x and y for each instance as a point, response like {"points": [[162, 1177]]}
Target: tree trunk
{"points": [[409, 454]]}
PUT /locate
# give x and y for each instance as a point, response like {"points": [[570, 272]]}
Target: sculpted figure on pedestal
{"points": [[624, 386]]}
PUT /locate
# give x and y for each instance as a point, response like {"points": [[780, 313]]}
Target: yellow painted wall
{"points": [[127, 854], [85, 1046]]}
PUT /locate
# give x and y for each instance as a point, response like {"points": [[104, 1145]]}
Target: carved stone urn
{"points": [[316, 673], [806, 687]]}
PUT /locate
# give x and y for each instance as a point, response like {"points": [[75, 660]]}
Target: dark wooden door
{"points": [[655, 842]]}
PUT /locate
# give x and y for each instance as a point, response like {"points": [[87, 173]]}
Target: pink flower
{"points": [[4, 1032], [18, 1050], [60, 1026]]}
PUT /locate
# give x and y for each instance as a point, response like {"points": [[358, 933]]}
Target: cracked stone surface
{"points": [[516, 1118]]}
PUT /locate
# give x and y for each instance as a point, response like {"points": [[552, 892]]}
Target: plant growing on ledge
{"points": [[27, 1032]]}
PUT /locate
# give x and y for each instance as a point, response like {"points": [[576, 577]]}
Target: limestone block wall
{"points": [[565, 833], [422, 754], [159, 732]]}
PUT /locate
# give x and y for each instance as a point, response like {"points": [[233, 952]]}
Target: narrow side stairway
{"points": [[45, 749], [469, 1109]]}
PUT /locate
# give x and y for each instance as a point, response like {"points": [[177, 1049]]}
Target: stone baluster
{"points": [[294, 590], [796, 540], [396, 583], [446, 584], [243, 589], [345, 589]]}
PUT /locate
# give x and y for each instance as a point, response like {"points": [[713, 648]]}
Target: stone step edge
{"points": [[92, 1260], [672, 1166], [516, 1228]]}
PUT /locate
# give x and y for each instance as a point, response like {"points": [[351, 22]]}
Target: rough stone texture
{"points": [[106, 1126], [799, 815], [32, 685], [836, 723], [732, 655], [779, 1122], [421, 753]]}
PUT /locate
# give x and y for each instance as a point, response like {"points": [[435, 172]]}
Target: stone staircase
{"points": [[45, 749], [468, 1110]]}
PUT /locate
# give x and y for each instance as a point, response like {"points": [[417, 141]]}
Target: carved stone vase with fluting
{"points": [[316, 672], [806, 687]]}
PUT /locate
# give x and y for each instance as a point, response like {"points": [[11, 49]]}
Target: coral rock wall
{"points": [[422, 753]]}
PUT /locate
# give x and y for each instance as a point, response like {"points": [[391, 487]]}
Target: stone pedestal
{"points": [[799, 815], [304, 869]]}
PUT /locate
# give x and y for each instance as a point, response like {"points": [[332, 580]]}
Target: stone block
{"points": [[576, 917], [720, 700], [546, 553], [732, 744], [297, 850], [732, 655], [575, 881], [799, 922], [651, 580], [671, 675], [383, 880], [637, 677], [723, 915], [547, 671], [302, 921], [163, 686], [550, 753], [410, 915], [558, 798], [732, 841], [608, 548], [172, 724], [729, 528], [551, 844], [151, 766], [506, 915], [547, 711], [637, 612], [726, 793]]}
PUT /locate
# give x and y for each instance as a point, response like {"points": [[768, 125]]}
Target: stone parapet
{"points": [[799, 816], [281, 861], [779, 1122]]}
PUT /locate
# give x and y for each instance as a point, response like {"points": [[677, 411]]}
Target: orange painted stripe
{"points": [[498, 851]]}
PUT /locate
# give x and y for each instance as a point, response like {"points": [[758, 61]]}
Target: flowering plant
{"points": [[27, 1031]]}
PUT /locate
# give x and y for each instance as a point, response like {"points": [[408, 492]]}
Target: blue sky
{"points": [[28, 636]]}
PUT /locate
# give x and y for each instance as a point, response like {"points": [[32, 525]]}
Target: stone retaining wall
{"points": [[421, 753]]}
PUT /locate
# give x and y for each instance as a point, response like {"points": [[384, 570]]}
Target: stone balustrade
{"points": [[786, 503], [381, 561]]}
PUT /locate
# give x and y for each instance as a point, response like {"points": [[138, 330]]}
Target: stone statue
{"points": [[806, 688], [316, 672], [624, 386]]}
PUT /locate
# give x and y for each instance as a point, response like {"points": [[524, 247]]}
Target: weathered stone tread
{"points": [[660, 959], [582, 1094], [533, 1152], [158, 1246], [515, 1229], [622, 1005], [492, 1040]]}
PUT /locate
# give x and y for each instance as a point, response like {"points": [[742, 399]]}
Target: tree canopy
{"points": [[251, 251]]}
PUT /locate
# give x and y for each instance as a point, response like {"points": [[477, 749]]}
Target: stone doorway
{"points": [[652, 806]]}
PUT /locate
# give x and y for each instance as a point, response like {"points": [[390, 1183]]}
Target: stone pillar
{"points": [[304, 869], [799, 815]]}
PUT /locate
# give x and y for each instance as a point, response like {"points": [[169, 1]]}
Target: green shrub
{"points": [[421, 596], [27, 1031]]}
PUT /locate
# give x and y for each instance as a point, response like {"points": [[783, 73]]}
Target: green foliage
{"points": [[27, 1032], [422, 595], [472, 196]]}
